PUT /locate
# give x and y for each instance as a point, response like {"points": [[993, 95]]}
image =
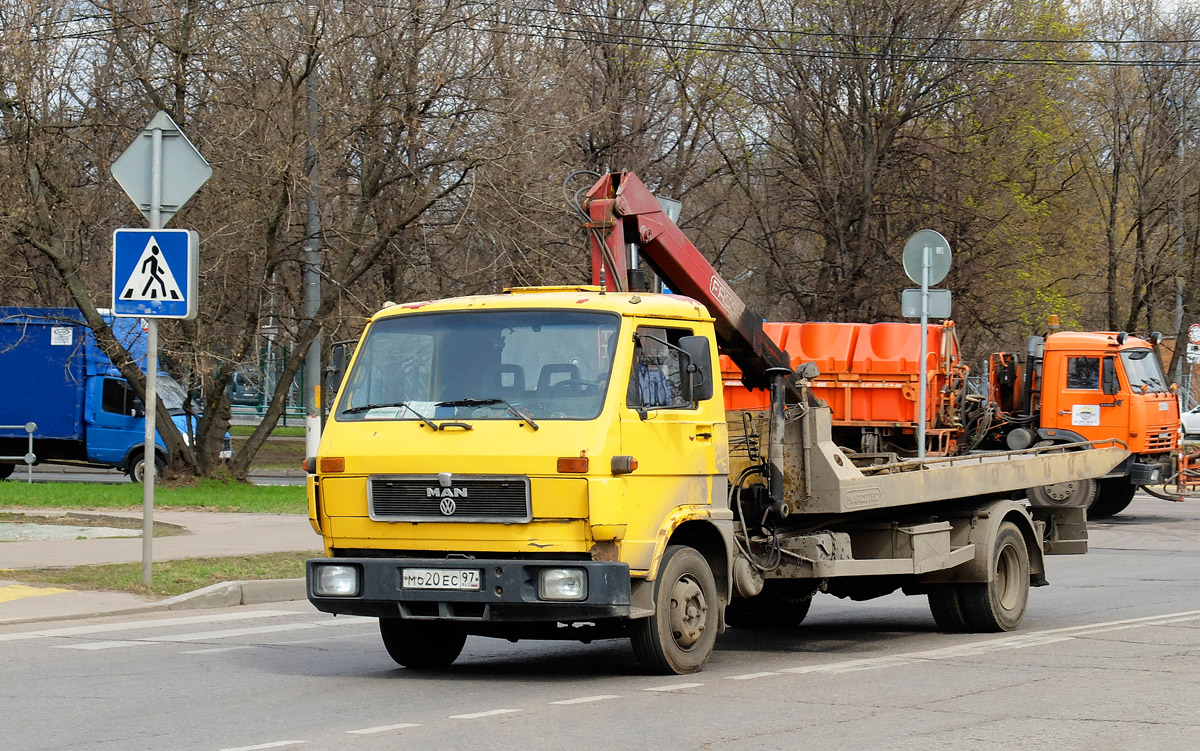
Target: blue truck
{"points": [[53, 374]]}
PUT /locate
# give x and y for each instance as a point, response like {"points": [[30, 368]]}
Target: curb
{"points": [[229, 594], [222, 595]]}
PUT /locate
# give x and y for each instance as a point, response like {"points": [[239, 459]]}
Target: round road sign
{"points": [[1194, 333], [939, 255]]}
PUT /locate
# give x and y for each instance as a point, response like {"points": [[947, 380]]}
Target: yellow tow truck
{"points": [[558, 463]]}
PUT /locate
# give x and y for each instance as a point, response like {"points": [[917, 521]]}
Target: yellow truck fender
{"points": [[695, 527]]}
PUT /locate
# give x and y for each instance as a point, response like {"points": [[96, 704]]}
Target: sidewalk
{"points": [[208, 534]]}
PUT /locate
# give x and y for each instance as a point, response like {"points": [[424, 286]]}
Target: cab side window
{"points": [[116, 397], [1083, 373], [656, 379]]}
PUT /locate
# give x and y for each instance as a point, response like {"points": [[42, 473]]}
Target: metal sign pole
{"points": [[149, 452], [921, 400]]}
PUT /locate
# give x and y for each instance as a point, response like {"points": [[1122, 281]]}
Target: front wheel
{"points": [[1072, 493], [1114, 496], [999, 605], [6, 470], [679, 637], [421, 644], [136, 469]]}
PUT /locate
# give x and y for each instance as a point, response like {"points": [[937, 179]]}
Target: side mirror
{"points": [[137, 408], [697, 369], [337, 367], [1109, 380]]}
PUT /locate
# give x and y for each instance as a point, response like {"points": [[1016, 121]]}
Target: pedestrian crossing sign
{"points": [[154, 273]]}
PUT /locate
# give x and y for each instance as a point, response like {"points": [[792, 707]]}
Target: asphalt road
{"points": [[1108, 658]]}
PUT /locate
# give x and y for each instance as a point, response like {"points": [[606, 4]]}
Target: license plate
{"points": [[440, 578]]}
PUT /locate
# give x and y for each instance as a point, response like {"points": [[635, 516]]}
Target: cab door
{"points": [[679, 445], [1088, 397]]}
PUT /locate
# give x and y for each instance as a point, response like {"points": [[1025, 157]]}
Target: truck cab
{"points": [[512, 460], [1093, 386]]}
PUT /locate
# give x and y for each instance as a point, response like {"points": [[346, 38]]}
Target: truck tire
{"points": [[946, 604], [136, 468], [775, 607], [1000, 604], [421, 644], [1114, 496], [6, 470], [679, 637]]}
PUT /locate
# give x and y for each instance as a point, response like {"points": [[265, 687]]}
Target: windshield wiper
{"points": [[513, 410], [389, 405]]}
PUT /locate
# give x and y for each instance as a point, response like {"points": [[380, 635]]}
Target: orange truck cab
{"points": [[1086, 386]]}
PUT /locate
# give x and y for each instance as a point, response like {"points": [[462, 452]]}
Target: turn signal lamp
{"points": [[333, 464], [573, 464], [623, 465]]}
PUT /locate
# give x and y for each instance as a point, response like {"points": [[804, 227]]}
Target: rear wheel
{"points": [[6, 470], [136, 469], [778, 606], [1000, 604], [679, 637], [946, 605], [422, 644], [1114, 496]]}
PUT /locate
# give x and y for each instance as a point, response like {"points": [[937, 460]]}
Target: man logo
{"points": [[445, 492], [447, 506]]}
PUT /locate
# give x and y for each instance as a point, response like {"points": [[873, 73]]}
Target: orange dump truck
{"points": [[870, 379], [1066, 387]]}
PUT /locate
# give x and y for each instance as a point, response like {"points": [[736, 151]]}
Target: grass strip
{"points": [[279, 432], [170, 577], [206, 495]]}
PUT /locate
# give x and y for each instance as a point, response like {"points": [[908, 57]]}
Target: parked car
{"points": [[243, 390], [1190, 421]]}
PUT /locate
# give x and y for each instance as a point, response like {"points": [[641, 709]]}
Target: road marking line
{"points": [[212, 650], [385, 728], [587, 699], [1022, 641], [12, 592], [477, 715], [194, 636], [750, 676], [349, 620], [102, 628], [675, 687], [276, 744]]}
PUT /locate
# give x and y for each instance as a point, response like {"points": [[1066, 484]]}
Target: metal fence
{"points": [[29, 458]]}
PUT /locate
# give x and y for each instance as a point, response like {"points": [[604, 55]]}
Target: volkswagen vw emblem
{"points": [[447, 506]]}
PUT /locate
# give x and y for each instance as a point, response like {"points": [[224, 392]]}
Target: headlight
{"points": [[562, 584], [332, 580]]}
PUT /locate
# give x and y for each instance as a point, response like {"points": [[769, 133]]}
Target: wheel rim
{"points": [[1062, 492], [689, 611], [1008, 575]]}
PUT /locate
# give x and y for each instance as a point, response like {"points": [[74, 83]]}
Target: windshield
{"points": [[1143, 368], [491, 365], [172, 394]]}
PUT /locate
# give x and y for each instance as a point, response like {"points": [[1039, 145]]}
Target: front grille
{"points": [[449, 498], [1161, 438]]}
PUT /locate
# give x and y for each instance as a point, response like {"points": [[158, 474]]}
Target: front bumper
{"points": [[508, 591], [1149, 473]]}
